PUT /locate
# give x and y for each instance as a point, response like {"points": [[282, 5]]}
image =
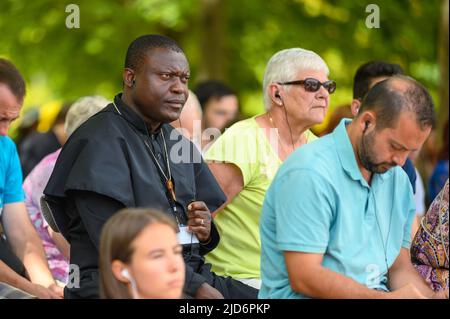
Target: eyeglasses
{"points": [[313, 85]]}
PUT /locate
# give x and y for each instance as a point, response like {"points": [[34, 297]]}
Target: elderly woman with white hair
{"points": [[246, 157], [55, 246]]}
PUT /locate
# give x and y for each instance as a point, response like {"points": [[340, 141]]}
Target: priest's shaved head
{"points": [[141, 46]]}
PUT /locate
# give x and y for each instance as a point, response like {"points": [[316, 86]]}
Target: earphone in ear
{"points": [[125, 273], [133, 82], [278, 96], [366, 126]]}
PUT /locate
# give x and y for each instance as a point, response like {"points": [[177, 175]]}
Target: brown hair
{"points": [[115, 244], [10, 76]]}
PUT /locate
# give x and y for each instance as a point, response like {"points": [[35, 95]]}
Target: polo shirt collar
{"points": [[345, 152]]}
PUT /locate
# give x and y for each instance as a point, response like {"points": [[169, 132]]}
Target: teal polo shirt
{"points": [[319, 202]]}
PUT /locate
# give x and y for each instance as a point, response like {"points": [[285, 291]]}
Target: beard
{"points": [[367, 155]]}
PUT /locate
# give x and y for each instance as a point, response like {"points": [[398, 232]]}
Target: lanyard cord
{"points": [[385, 244], [153, 154], [168, 179]]}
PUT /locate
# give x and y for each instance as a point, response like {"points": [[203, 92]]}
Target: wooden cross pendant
{"points": [[171, 189]]}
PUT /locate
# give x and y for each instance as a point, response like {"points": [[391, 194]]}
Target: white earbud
{"points": [[126, 274]]}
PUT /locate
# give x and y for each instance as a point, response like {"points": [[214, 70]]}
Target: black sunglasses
{"points": [[313, 85]]}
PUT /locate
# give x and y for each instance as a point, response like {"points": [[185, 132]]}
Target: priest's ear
{"points": [[128, 77]]}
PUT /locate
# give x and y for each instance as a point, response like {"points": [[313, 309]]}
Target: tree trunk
{"points": [[212, 28]]}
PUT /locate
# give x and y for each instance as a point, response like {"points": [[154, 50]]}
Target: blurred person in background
{"points": [[37, 145], [440, 171], [28, 125], [55, 245], [189, 122], [419, 195], [220, 108]]}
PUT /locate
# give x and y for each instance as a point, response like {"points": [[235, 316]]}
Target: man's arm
{"points": [[308, 277], [27, 245], [9, 276], [402, 272], [197, 287], [94, 210]]}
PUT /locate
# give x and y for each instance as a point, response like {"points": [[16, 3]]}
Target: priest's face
{"points": [[160, 88]]}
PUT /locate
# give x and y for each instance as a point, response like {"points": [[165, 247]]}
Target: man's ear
{"points": [[367, 120], [356, 104], [128, 77]]}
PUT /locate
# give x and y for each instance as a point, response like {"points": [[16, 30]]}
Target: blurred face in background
{"points": [[220, 112]]}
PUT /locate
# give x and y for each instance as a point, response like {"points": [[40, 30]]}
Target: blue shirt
{"points": [[10, 173], [438, 178], [320, 203], [410, 170]]}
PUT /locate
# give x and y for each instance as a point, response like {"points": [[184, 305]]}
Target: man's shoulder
{"points": [[399, 175], [7, 143], [7, 147], [316, 155]]}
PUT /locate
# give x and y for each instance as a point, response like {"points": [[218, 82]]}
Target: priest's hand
{"points": [[199, 220], [206, 291]]}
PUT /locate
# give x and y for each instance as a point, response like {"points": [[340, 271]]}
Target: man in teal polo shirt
{"points": [[336, 220]]}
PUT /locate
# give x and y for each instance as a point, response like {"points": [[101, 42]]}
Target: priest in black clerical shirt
{"points": [[128, 156]]}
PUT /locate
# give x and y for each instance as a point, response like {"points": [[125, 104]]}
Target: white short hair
{"points": [[284, 66], [81, 110]]}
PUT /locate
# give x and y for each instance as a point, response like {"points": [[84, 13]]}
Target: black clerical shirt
{"points": [[105, 166]]}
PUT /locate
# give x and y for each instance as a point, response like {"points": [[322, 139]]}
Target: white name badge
{"points": [[184, 236]]}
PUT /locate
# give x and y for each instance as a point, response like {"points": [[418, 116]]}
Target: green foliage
{"points": [[70, 63]]}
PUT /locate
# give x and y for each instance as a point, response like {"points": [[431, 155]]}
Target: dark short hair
{"points": [[10, 76], [369, 71], [388, 102], [211, 89], [141, 46]]}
